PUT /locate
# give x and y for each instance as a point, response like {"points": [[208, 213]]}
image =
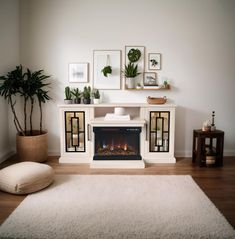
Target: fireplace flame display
{"points": [[118, 149], [117, 143]]}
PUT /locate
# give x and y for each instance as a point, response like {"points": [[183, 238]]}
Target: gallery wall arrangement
{"points": [[108, 70]]}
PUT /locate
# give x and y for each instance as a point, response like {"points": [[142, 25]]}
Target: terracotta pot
{"points": [[32, 148]]}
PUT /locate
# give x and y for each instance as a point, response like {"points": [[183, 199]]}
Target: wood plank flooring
{"points": [[217, 183]]}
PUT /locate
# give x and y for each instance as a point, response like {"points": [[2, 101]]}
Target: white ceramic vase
{"points": [[130, 83]]}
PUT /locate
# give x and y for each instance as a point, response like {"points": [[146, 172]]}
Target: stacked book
{"points": [[111, 116]]}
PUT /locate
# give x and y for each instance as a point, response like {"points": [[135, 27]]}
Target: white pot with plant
{"points": [[96, 95], [68, 95], [31, 144], [130, 72]]}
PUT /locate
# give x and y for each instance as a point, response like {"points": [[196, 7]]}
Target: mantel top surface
{"points": [[144, 105]]}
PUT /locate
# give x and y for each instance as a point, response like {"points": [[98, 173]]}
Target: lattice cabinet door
{"points": [[75, 138], [159, 132]]}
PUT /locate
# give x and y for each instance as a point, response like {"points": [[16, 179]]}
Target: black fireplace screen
{"points": [[117, 143]]}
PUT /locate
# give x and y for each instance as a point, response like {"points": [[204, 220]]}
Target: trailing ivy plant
{"points": [[106, 70]]}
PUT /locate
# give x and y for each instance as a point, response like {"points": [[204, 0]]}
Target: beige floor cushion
{"points": [[25, 177]]}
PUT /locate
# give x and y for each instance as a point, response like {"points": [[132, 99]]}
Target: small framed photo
{"points": [[154, 61], [150, 79], [78, 72]]}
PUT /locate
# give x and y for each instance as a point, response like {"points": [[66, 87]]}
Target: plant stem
{"points": [[31, 116], [25, 115], [40, 107], [16, 121]]}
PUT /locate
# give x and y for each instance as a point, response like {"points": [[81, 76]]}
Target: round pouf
{"points": [[25, 177]]}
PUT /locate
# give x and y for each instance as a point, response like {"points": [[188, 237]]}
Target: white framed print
{"points": [[107, 69], [78, 72], [154, 61]]}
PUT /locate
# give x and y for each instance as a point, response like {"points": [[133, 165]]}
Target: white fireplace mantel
{"points": [[140, 117]]}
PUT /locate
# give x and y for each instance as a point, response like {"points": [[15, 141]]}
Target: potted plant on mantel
{"points": [[96, 95], [87, 95], [130, 72], [68, 95], [77, 94], [31, 144]]}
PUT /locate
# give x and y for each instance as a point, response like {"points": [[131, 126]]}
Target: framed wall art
{"points": [[154, 61], [150, 79], [107, 69], [78, 72], [136, 55]]}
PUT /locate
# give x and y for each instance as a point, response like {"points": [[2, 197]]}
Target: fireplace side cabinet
{"points": [[75, 135], [160, 135]]}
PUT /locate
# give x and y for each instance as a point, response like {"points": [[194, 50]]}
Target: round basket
{"points": [[153, 100]]}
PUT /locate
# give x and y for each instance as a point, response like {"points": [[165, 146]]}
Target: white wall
{"points": [[196, 39], [9, 58]]}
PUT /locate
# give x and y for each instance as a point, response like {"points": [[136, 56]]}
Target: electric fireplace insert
{"points": [[117, 143]]}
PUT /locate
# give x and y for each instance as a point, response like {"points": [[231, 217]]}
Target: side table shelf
{"points": [[208, 147]]}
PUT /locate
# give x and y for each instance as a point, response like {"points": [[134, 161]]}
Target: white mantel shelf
{"points": [[144, 105]]}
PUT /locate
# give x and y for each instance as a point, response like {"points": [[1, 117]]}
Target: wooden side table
{"points": [[208, 147]]}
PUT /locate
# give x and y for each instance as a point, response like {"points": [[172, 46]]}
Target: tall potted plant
{"points": [[68, 95], [130, 72], [31, 144]]}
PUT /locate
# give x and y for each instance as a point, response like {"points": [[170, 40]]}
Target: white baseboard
{"points": [[186, 154], [53, 152], [228, 152], [5, 155]]}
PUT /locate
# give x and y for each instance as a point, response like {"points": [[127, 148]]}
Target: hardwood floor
{"points": [[217, 183]]}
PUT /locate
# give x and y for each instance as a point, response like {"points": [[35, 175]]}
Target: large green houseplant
{"points": [[31, 87]]}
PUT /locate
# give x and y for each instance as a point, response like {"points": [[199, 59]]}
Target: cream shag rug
{"points": [[117, 206]]}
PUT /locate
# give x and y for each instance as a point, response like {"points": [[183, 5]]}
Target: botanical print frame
{"points": [[140, 61], [154, 61], [107, 69], [150, 79], [78, 72]]}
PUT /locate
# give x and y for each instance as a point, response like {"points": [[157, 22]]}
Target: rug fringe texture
{"points": [[118, 206]]}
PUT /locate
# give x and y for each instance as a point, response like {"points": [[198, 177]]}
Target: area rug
{"points": [[117, 206]]}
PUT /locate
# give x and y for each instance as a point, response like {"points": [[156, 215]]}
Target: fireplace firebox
{"points": [[117, 143]]}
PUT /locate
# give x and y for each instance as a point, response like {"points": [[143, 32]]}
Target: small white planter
{"points": [[96, 101], [130, 83]]}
